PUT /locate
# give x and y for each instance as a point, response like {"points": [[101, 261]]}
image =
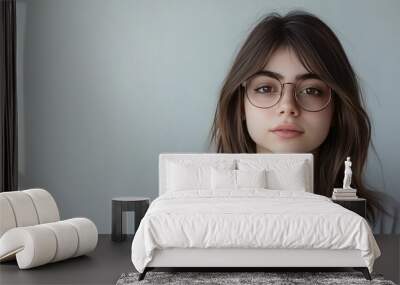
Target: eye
{"points": [[264, 89], [311, 91]]}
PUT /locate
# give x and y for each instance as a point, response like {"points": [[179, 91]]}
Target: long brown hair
{"points": [[320, 51]]}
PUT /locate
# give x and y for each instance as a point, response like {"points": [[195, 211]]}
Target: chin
{"points": [[289, 150]]}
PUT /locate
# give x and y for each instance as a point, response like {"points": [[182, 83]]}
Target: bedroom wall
{"points": [[105, 86]]}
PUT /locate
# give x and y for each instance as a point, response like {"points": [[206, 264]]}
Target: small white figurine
{"points": [[347, 174]]}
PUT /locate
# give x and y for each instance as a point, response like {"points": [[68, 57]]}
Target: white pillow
{"points": [[183, 177], [186, 174], [281, 174], [251, 178], [290, 179], [223, 178], [236, 179]]}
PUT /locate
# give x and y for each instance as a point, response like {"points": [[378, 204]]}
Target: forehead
{"points": [[285, 61]]}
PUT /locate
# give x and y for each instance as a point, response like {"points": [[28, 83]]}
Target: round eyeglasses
{"points": [[264, 91]]}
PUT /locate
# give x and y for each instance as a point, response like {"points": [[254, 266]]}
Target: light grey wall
{"points": [[105, 86]]}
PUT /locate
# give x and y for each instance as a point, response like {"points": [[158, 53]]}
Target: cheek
{"points": [[257, 120], [318, 125]]}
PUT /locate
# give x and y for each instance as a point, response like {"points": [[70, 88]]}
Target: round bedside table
{"points": [[126, 204]]}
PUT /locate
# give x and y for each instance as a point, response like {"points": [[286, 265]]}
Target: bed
{"points": [[243, 211]]}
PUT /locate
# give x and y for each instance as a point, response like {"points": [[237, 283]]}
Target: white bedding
{"points": [[250, 218]]}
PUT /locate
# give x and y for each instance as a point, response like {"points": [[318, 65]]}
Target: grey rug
{"points": [[225, 278]]}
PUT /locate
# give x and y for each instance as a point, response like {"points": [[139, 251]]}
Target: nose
{"points": [[287, 104]]}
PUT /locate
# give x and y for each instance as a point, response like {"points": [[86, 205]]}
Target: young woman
{"points": [[292, 88]]}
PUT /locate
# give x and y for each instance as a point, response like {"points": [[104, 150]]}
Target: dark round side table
{"points": [[126, 204]]}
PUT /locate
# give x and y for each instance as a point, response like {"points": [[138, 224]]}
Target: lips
{"points": [[287, 134], [287, 131], [287, 127]]}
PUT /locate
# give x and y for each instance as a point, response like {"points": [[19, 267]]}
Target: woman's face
{"points": [[314, 126]]}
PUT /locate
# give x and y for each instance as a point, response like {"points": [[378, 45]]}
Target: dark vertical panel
{"points": [[8, 98]]}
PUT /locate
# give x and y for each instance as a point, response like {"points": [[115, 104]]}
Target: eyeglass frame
{"points": [[244, 85]]}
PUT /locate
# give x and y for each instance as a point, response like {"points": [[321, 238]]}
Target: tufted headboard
{"points": [[203, 158]]}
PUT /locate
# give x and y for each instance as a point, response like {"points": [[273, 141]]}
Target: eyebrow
{"points": [[298, 77]]}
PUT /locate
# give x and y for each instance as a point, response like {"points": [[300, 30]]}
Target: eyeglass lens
{"points": [[311, 94]]}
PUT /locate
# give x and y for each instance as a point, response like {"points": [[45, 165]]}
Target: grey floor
{"points": [[111, 259]]}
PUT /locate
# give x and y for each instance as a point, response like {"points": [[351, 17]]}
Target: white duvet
{"points": [[250, 218]]}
